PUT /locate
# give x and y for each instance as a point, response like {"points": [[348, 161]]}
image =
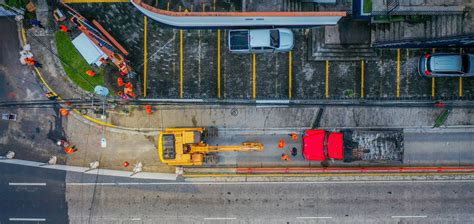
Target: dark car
{"points": [[446, 65]]}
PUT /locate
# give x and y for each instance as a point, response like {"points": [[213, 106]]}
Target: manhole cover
{"points": [[234, 112]]}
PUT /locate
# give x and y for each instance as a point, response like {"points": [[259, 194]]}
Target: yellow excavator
{"points": [[188, 147]]}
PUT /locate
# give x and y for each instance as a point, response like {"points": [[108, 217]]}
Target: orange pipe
{"points": [[109, 37]]}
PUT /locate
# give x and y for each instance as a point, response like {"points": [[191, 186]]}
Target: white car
{"points": [[261, 40]]}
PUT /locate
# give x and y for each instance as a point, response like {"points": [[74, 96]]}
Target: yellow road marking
{"points": [[181, 63], [290, 74], [254, 76], [327, 79], [145, 54], [94, 1], [398, 72], [219, 63], [433, 81], [23, 36], [362, 87]]}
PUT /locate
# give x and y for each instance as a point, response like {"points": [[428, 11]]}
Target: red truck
{"points": [[353, 145]]}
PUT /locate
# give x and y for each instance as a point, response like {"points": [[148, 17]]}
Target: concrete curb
{"points": [[103, 172]]}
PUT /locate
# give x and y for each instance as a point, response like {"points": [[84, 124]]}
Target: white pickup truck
{"points": [[261, 40]]}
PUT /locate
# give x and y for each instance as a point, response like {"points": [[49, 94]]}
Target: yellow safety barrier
{"points": [[254, 76]]}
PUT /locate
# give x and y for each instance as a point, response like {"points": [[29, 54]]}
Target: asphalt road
{"points": [[439, 149], [46, 198], [36, 194], [33, 135]]}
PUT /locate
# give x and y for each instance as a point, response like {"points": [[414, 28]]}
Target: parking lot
{"points": [[196, 64]]}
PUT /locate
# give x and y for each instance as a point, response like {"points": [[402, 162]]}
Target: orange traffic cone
{"points": [[149, 109], [281, 143]]}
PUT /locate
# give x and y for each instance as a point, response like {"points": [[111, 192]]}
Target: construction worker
{"points": [[90, 73], [63, 112], [103, 60], [32, 61], [294, 151], [120, 81], [281, 144], [294, 136], [285, 157], [51, 96], [64, 28], [70, 149], [35, 22]]}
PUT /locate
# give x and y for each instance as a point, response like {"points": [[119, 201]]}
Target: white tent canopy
{"points": [[88, 50]]}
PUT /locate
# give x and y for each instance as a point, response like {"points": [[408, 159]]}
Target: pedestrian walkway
{"points": [[105, 172]]}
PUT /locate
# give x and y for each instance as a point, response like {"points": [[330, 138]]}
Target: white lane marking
{"points": [[27, 184], [220, 218], [135, 219], [315, 217], [263, 183], [409, 216], [27, 219]]}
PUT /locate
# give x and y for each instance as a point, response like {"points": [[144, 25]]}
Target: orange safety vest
{"points": [[69, 150]]}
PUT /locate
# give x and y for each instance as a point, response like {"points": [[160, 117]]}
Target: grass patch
{"points": [[75, 65], [367, 6]]}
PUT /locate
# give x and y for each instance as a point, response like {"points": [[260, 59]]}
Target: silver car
{"points": [[261, 40], [446, 65]]}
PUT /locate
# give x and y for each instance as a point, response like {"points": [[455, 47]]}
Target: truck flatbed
{"points": [[239, 40]]}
